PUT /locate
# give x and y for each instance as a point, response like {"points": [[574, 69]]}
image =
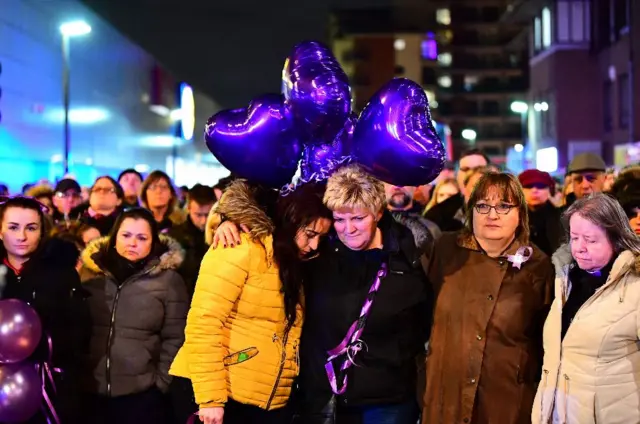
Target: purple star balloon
{"points": [[395, 139], [317, 90], [257, 143]]}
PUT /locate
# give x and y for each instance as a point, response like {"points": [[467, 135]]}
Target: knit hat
{"points": [[533, 177]]}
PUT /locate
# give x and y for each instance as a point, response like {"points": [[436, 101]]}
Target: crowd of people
{"points": [[481, 298]]}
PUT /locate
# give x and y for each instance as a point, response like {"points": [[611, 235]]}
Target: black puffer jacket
{"points": [[50, 284], [395, 333], [138, 324]]}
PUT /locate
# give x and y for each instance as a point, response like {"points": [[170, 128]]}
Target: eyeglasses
{"points": [[589, 177], [501, 209], [103, 190], [61, 195], [158, 187], [4, 199]]}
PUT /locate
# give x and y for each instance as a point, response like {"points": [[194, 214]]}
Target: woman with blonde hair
{"points": [[443, 190], [591, 370], [367, 305], [493, 290]]}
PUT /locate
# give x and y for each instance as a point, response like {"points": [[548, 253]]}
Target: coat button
{"points": [[490, 297], [466, 420], [472, 381], [479, 337], [501, 263]]}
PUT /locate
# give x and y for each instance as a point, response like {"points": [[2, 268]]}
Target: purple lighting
{"points": [[430, 47]]}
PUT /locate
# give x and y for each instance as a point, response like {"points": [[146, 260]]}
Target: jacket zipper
{"points": [[112, 325], [282, 362]]}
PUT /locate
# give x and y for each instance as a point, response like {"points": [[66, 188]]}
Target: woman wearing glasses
{"points": [[493, 291], [105, 200], [41, 271]]}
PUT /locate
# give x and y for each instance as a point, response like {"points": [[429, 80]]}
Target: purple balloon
{"points": [[319, 160], [20, 392], [20, 331], [317, 90], [395, 139], [257, 143]]}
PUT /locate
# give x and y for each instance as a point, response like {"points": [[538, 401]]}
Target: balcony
{"points": [[517, 86], [521, 11]]}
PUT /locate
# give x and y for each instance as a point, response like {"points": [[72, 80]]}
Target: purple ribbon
{"points": [[523, 254], [351, 345], [46, 371]]}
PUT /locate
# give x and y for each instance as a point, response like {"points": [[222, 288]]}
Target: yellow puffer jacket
{"points": [[236, 340]]}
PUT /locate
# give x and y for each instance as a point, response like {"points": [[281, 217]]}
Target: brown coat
{"points": [[485, 352]]}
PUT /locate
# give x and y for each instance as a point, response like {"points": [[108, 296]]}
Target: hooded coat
{"points": [[138, 326], [592, 376], [238, 345]]}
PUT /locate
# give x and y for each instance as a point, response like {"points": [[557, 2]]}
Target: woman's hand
{"points": [[211, 415], [228, 234]]}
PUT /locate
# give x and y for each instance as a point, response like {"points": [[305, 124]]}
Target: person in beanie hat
{"points": [[131, 181], [587, 172], [545, 225]]}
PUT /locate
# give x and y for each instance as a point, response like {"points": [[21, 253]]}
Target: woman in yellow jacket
{"points": [[244, 325]]}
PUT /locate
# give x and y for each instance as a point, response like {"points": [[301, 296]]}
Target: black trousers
{"points": [[148, 407], [239, 413], [183, 403]]}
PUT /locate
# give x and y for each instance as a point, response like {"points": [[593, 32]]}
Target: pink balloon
{"points": [[20, 331], [20, 392]]}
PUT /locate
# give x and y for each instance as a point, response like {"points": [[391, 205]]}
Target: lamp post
{"points": [[69, 30], [521, 108]]}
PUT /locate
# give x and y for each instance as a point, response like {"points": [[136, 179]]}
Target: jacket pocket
{"points": [[240, 356]]}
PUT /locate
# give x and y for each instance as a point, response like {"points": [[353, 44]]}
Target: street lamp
{"points": [[69, 30], [469, 134]]}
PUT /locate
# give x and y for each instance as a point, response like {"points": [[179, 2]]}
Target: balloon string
{"points": [[46, 373], [318, 176]]}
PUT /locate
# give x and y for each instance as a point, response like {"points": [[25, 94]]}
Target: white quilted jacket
{"points": [[593, 375]]}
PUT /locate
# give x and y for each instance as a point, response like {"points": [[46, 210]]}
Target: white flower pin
{"points": [[522, 255]]}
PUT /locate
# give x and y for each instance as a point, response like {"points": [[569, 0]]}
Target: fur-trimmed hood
{"points": [[171, 259], [239, 206]]}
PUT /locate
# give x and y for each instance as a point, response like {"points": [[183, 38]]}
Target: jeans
{"points": [[403, 413]]}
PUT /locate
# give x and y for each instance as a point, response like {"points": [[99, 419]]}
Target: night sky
{"points": [[231, 49]]}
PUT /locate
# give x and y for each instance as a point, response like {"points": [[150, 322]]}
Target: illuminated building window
{"points": [[399, 44], [470, 82], [443, 16], [445, 59], [546, 27], [537, 34], [444, 81]]}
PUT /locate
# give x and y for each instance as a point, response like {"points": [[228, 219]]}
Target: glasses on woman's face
{"points": [[501, 209], [159, 187], [103, 190]]}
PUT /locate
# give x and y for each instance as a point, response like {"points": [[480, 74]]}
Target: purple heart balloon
{"points": [[395, 139], [257, 143], [317, 90]]}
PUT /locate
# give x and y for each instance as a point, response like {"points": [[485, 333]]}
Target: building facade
{"points": [[120, 108], [581, 56], [456, 51]]}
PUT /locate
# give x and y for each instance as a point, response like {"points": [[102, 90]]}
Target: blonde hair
{"points": [[351, 187], [434, 197]]}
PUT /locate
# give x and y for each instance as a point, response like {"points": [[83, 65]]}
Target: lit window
{"points": [[546, 27], [399, 44], [443, 16], [547, 159], [445, 59], [537, 34], [444, 81], [470, 82]]}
